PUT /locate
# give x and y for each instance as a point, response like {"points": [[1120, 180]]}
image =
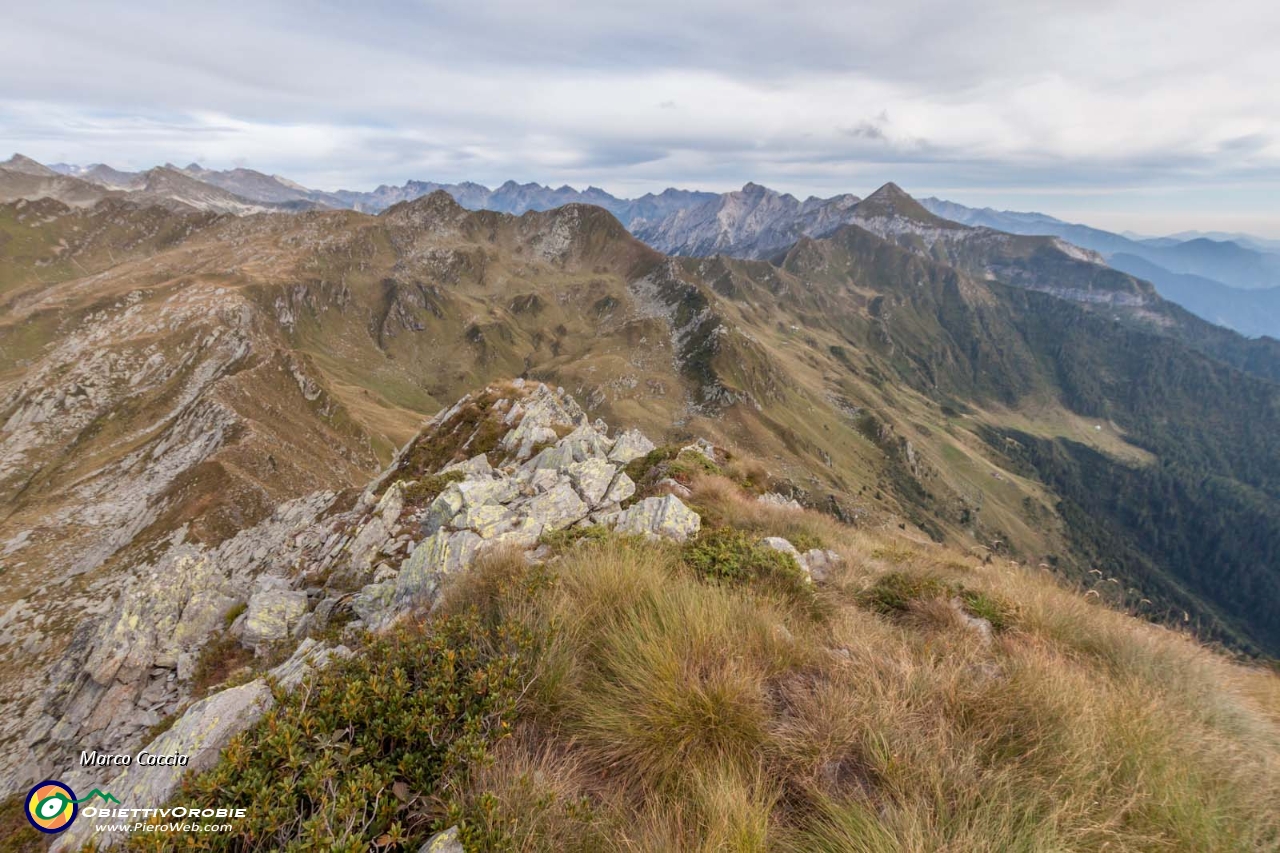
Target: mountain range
{"points": [[1229, 279]]}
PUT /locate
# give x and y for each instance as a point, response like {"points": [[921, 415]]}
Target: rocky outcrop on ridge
{"points": [[499, 469]]}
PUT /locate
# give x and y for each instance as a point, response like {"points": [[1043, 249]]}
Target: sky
{"points": [[1154, 117]]}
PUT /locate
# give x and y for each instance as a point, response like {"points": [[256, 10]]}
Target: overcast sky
{"points": [[1151, 115]]}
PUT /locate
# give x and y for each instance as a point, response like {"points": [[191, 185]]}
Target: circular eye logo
{"points": [[51, 806]]}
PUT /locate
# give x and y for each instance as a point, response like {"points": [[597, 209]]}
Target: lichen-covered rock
{"points": [[620, 489], [437, 555], [476, 466], [704, 447], [673, 486], [540, 412], [272, 615], [374, 600], [777, 543], [556, 508], [592, 478], [486, 520], [586, 442], [458, 497], [446, 841], [632, 444], [665, 516], [308, 657]]}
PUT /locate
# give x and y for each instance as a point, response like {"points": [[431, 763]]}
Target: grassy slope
{"points": [[636, 696]]}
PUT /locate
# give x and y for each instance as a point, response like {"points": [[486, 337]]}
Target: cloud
{"points": [[1097, 95]]}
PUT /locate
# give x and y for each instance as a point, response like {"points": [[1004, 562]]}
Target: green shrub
{"points": [[894, 593], [16, 834], [234, 613], [669, 461], [728, 555], [561, 541], [425, 489], [639, 469], [996, 610], [352, 761]]}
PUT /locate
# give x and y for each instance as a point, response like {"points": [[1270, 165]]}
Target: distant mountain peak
{"points": [[893, 201], [435, 206], [24, 164]]}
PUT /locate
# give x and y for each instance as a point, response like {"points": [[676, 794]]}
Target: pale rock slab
{"points": [[632, 444], [665, 516]]}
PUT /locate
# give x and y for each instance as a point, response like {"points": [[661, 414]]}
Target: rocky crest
{"points": [[522, 461]]}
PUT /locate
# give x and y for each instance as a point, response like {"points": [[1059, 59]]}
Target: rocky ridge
{"points": [[524, 461]]}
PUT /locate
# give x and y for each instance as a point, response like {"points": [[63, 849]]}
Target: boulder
{"points": [[819, 563], [622, 488], [593, 477], [777, 543], [665, 516], [437, 555], [632, 444], [487, 520], [272, 615], [586, 442], [556, 508], [477, 466], [775, 499], [308, 657], [675, 487]]}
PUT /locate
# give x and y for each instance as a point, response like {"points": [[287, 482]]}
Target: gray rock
{"points": [[632, 444], [201, 734], [666, 516], [556, 508], [272, 615], [777, 543], [308, 657], [622, 488], [775, 499], [586, 442], [374, 600], [438, 555], [819, 563], [675, 487], [477, 466], [443, 842], [593, 477]]}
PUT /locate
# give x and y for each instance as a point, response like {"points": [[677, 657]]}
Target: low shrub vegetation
{"points": [[357, 758], [427, 488]]}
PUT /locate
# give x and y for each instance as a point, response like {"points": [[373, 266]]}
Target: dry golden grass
{"points": [[669, 713]]}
